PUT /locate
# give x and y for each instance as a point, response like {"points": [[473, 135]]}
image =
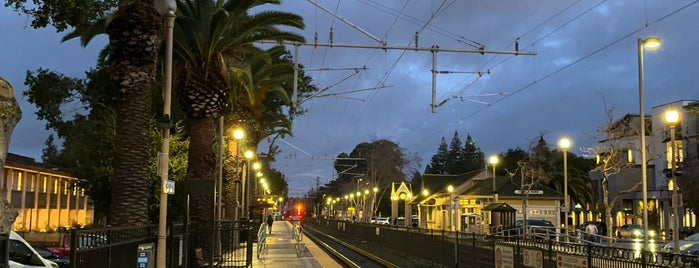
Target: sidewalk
{"points": [[283, 251]]}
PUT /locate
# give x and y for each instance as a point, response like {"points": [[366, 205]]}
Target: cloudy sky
{"points": [[586, 56]]}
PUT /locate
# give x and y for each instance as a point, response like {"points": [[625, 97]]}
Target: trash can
{"points": [[145, 256]]}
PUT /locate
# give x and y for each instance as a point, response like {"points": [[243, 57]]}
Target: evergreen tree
{"points": [[473, 157], [438, 163], [50, 153], [453, 163]]}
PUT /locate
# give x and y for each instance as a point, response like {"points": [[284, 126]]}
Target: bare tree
{"points": [[610, 162]]}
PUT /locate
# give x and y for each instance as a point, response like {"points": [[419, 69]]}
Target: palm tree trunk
{"points": [[201, 160], [135, 36]]}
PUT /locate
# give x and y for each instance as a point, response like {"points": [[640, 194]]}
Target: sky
{"points": [[586, 61]]}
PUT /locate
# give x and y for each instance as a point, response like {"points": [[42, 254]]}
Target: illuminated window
{"points": [[678, 156], [65, 188], [32, 183], [82, 191], [19, 182], [75, 190], [43, 187], [55, 186], [629, 156]]}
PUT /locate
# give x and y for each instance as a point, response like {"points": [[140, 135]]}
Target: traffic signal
{"points": [[299, 210]]}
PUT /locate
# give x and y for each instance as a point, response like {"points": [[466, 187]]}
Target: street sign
{"points": [[530, 191], [571, 261], [533, 258], [504, 256], [564, 209]]}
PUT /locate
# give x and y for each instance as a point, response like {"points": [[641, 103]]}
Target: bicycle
{"points": [[298, 232]]}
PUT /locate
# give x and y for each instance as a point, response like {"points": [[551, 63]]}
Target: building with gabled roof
{"points": [[472, 192]]}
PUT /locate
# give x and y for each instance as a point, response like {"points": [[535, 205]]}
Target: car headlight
{"points": [[636, 232]]}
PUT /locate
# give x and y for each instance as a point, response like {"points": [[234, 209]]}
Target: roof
{"points": [[437, 184], [499, 207], [23, 162]]}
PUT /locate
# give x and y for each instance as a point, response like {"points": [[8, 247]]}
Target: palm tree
{"points": [[209, 36], [134, 38]]}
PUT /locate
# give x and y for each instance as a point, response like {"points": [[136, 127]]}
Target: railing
{"points": [[476, 250], [4, 250]]}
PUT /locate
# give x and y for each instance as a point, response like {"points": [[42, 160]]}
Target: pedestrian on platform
{"points": [[591, 230], [270, 220]]}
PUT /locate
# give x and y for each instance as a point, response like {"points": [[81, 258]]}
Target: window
{"points": [[678, 155], [20, 253], [55, 186], [45, 184], [65, 188], [18, 182]]}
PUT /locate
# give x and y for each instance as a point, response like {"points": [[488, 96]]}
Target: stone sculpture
{"points": [[10, 114]]}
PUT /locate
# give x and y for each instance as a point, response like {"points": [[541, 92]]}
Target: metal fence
{"points": [[454, 249], [110, 247], [4, 250], [131, 246]]}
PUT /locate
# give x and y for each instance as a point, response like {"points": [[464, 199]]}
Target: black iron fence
{"points": [[4, 250], [111, 247], [452, 249], [134, 246]]}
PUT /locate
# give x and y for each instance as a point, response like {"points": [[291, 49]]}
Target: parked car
{"points": [[382, 220], [601, 227], [688, 246], [62, 261], [22, 255], [633, 231], [414, 221], [540, 228], [686, 231]]}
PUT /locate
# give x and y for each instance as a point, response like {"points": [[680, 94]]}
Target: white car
{"points": [[384, 221], [22, 255]]}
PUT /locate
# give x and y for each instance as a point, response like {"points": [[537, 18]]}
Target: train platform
{"points": [[283, 249]]}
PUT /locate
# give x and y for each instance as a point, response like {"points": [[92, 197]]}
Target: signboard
{"points": [[571, 261], [170, 187], [533, 258], [504, 256], [530, 191]]}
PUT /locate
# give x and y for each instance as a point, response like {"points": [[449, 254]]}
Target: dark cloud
{"points": [[586, 50]]}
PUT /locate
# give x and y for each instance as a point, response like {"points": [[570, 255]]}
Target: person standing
{"points": [[591, 230], [270, 220]]}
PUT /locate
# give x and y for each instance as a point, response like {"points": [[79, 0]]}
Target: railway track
{"points": [[346, 254]]}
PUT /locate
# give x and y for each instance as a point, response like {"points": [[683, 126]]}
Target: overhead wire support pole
{"points": [[434, 78]]}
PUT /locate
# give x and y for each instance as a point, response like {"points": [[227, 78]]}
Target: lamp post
{"points": [[238, 136], [450, 189], [247, 201], [171, 7], [564, 143], [672, 117], [493, 160], [650, 43]]}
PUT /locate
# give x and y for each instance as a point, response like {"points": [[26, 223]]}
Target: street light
{"points": [[246, 185], [171, 7], [672, 117], [238, 136], [650, 43], [450, 189], [493, 160], [564, 143]]}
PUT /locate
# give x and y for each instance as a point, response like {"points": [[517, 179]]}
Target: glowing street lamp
{"points": [[650, 44], [450, 189], [493, 160], [672, 117], [564, 143]]}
